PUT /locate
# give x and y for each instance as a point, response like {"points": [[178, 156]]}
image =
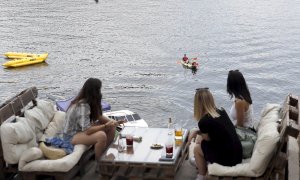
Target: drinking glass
{"points": [[129, 140], [169, 146], [169, 150], [120, 144], [178, 129]]}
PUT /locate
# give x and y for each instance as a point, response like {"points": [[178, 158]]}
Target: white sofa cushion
{"points": [[47, 108], [268, 114], [59, 165], [55, 127], [263, 150], [34, 160], [16, 138], [29, 155], [40, 115]]}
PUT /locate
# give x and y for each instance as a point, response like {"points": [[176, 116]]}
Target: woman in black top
{"points": [[220, 143]]}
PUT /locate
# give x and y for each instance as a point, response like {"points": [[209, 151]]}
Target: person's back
{"points": [[224, 145], [218, 139], [241, 111], [76, 119], [247, 117]]}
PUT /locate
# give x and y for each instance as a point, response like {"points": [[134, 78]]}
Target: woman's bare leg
{"points": [[200, 161], [110, 132], [99, 139]]}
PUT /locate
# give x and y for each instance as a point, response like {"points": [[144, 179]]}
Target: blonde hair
{"points": [[204, 103]]}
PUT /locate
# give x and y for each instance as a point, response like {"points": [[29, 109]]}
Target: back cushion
{"points": [[55, 127], [268, 137], [270, 113], [40, 115], [47, 108], [16, 138]]}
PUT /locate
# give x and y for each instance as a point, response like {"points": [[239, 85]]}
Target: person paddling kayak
{"points": [[185, 59]]}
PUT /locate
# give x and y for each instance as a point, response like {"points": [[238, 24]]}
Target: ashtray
{"points": [[156, 146]]}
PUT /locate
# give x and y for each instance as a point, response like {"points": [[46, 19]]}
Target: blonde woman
{"points": [[219, 142]]}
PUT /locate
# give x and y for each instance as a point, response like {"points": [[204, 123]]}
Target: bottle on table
{"points": [[170, 126], [169, 146]]}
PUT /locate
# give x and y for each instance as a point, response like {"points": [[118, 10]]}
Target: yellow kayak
{"points": [[26, 61], [17, 55]]}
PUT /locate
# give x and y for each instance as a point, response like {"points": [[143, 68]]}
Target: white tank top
{"points": [[248, 122]]}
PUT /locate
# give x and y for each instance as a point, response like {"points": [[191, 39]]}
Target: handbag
{"points": [[248, 139]]}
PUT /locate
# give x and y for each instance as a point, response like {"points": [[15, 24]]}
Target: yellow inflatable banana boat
{"points": [[17, 55], [25, 60]]}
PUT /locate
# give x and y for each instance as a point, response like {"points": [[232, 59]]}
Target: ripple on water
{"points": [[134, 46]]}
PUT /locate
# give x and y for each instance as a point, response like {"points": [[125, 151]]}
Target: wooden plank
{"points": [[122, 171], [151, 173], [293, 123], [293, 159], [243, 178], [208, 177], [14, 105], [107, 169], [137, 172], [227, 178], [281, 161]]}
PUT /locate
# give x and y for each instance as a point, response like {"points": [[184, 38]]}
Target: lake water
{"points": [[133, 46]]}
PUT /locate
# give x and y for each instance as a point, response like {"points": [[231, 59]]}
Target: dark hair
{"points": [[237, 86], [91, 92]]}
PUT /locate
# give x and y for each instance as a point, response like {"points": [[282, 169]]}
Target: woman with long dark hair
{"points": [[241, 111], [85, 123]]}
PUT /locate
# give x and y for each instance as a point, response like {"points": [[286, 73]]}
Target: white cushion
{"points": [[264, 148], [16, 138], [59, 165], [47, 108], [55, 127], [40, 115], [270, 113], [29, 155], [263, 151]]}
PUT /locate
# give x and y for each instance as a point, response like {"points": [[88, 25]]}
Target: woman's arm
{"points": [[103, 119], [95, 128], [240, 106], [193, 135], [101, 127]]}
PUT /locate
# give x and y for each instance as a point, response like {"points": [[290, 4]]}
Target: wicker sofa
{"points": [[20, 137]]}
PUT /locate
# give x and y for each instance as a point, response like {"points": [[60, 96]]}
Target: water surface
{"points": [[133, 46]]}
